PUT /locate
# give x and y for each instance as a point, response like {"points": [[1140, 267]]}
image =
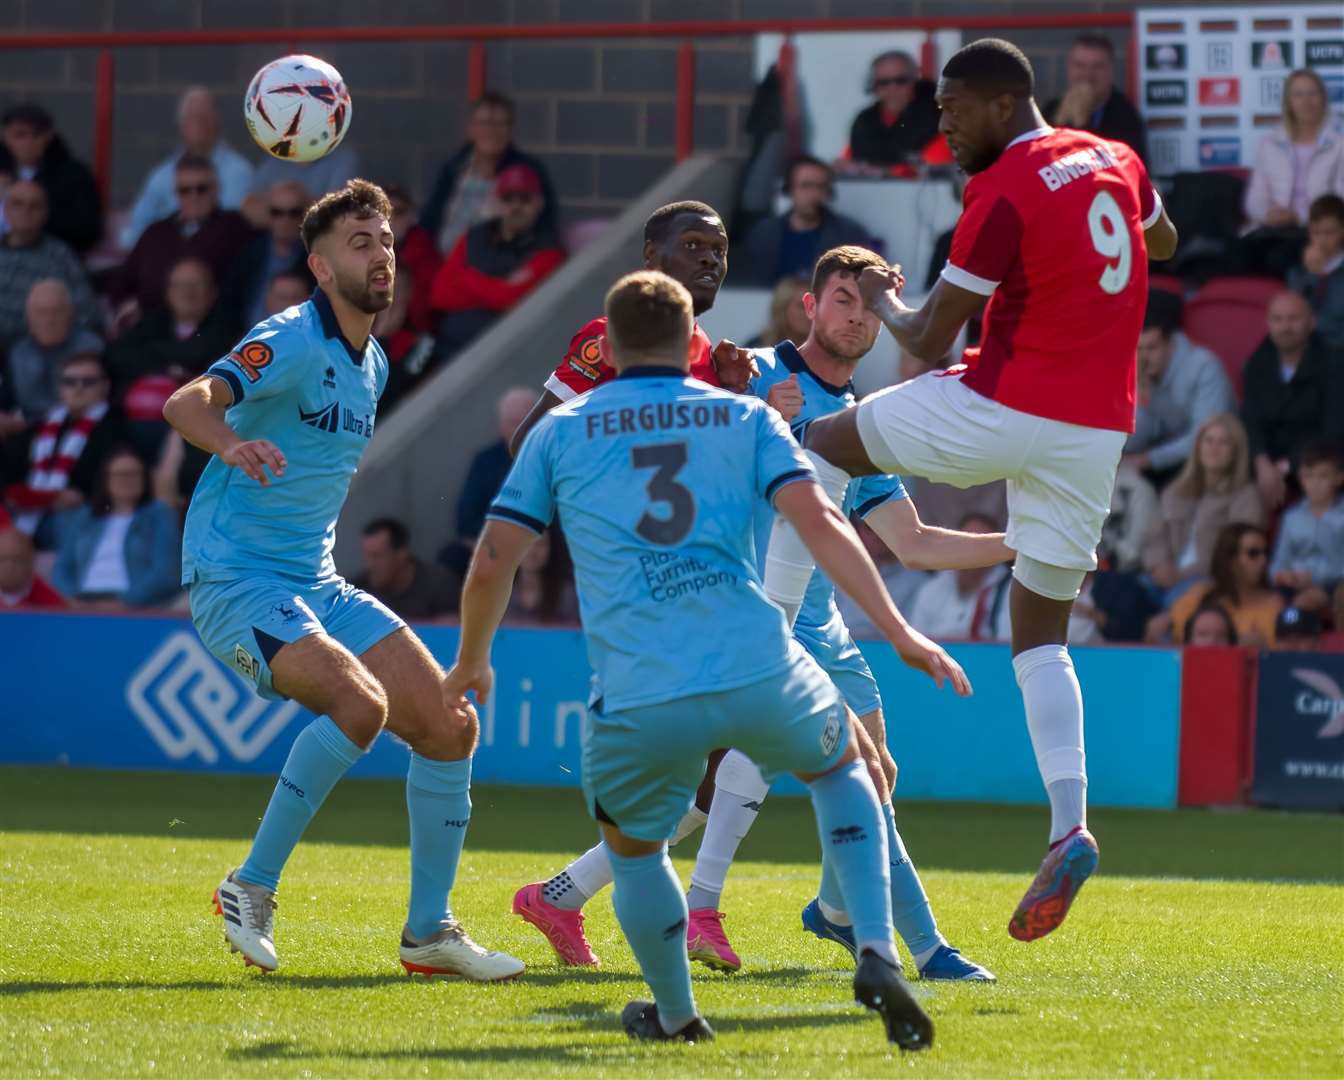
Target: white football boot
{"points": [[451, 952], [249, 921]]}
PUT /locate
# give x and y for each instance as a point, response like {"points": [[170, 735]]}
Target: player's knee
{"points": [[438, 732], [362, 712]]}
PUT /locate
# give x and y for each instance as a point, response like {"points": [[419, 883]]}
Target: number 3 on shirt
{"points": [[667, 459], [1111, 239]]}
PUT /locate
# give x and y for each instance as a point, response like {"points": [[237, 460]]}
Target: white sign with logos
{"points": [[1211, 78]]}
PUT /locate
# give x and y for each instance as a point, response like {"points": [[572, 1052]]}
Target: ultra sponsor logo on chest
{"points": [[334, 417]]}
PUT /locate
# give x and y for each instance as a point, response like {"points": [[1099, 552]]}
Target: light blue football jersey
{"points": [[297, 382], [864, 494], [655, 478]]}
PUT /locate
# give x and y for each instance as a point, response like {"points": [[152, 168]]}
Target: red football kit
{"points": [[1053, 233], [583, 368]]}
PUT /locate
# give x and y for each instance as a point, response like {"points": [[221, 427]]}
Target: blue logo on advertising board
{"points": [[1219, 150], [1334, 88]]}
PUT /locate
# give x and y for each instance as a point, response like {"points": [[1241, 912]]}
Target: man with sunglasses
{"points": [[900, 123], [200, 229], [279, 250], [789, 245]]}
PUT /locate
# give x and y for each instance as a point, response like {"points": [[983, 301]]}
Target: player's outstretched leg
{"points": [[739, 790], [318, 673]]}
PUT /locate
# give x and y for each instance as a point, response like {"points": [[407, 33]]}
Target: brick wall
{"points": [[599, 112]]}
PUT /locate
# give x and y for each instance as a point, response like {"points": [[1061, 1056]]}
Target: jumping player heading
{"points": [[1055, 232]]}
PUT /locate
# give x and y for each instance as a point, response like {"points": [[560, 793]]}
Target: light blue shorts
{"points": [[832, 646], [641, 766], [245, 621]]}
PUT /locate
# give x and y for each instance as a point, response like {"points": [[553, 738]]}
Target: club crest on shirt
{"points": [[251, 357], [587, 358]]}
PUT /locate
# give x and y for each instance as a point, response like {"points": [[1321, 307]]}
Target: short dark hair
{"points": [[1320, 453], [992, 66], [1326, 206], [1164, 312], [1095, 41], [358, 198], [86, 357], [397, 534], [648, 312], [848, 259], [30, 113], [100, 501], [660, 221], [1217, 609], [492, 99], [194, 163], [801, 160]]}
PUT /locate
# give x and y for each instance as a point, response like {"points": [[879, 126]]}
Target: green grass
{"points": [[1211, 944]]}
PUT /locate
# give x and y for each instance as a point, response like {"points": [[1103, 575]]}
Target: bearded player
{"points": [[1055, 233]]}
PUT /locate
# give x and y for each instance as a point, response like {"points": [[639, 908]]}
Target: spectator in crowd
{"points": [[198, 228], [788, 320], [30, 149], [1297, 630], [1092, 102], [198, 128], [1299, 161], [67, 449], [1181, 385], [29, 383], [327, 173], [28, 255], [1293, 396], [124, 548], [462, 190], [1320, 275], [543, 589], [415, 252], [278, 250], [903, 584], [287, 291], [788, 245], [1210, 625], [20, 584], [1309, 554], [496, 263], [414, 590], [1133, 517], [897, 126], [1240, 584], [1213, 490], [969, 605]]}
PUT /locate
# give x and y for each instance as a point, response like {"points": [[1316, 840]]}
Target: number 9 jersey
{"points": [[656, 478], [1052, 232]]}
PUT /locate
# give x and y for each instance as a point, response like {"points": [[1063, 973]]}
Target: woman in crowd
{"points": [[543, 591], [1210, 625], [1212, 490], [788, 320], [1240, 586], [123, 548]]}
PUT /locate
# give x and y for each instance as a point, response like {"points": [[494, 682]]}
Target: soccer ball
{"points": [[297, 108]]}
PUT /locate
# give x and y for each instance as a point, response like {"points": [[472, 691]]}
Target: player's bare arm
{"points": [[925, 547], [485, 597], [839, 552], [196, 411], [545, 404], [1160, 238], [929, 331]]}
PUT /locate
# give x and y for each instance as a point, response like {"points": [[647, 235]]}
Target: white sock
{"points": [[788, 562], [693, 819], [580, 881], [739, 790], [834, 914], [1054, 705]]}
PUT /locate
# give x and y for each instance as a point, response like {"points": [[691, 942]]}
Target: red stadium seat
{"points": [[1228, 316]]}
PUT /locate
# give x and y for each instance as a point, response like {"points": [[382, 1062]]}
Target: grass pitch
{"points": [[1208, 945]]}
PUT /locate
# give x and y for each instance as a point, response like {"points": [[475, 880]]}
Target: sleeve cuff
{"points": [[1151, 219], [231, 380], [516, 517], [964, 279], [562, 390], [787, 478], [877, 500]]}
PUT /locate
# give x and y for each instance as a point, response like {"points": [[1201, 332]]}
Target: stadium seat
{"points": [[1167, 283], [1228, 316]]}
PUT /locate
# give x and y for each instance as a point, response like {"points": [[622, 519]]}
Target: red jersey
{"points": [[583, 368], [1053, 233]]}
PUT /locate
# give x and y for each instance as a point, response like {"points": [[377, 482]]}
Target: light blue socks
{"points": [[438, 801]]}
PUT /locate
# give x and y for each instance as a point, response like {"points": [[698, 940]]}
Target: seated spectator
{"points": [[1294, 396], [414, 590], [789, 245], [124, 548], [496, 263], [1320, 275], [1213, 490], [543, 589], [1092, 102], [1181, 385], [1309, 554], [416, 253], [788, 320], [20, 584], [198, 128], [462, 190], [198, 228], [1240, 584], [1133, 517], [28, 385], [327, 173], [1210, 625], [1297, 630], [28, 255], [965, 605], [30, 149], [287, 291], [278, 250], [896, 127], [67, 450]]}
